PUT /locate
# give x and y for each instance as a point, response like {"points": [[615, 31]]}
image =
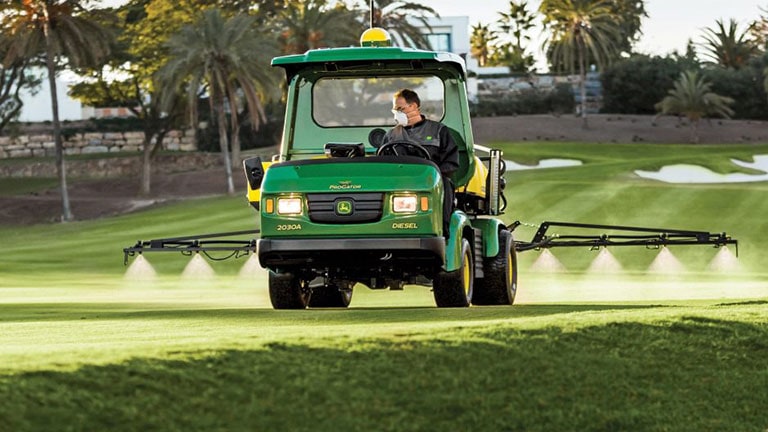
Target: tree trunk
{"points": [[582, 84], [234, 124], [695, 131], [224, 142], [146, 166], [66, 211], [236, 158]]}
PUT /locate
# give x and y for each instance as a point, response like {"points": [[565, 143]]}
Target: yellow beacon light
{"points": [[375, 37]]}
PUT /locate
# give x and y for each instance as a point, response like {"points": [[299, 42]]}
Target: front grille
{"points": [[334, 208]]}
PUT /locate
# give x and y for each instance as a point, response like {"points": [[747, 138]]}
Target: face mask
{"points": [[400, 118]]}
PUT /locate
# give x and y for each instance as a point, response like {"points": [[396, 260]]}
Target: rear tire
{"points": [[286, 291], [331, 295], [499, 286], [454, 289]]}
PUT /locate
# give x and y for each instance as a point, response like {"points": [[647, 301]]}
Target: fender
{"points": [[459, 221], [491, 229]]}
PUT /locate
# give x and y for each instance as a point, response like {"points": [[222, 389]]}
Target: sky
{"points": [[668, 27]]}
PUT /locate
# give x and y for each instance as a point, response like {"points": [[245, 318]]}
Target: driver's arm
{"points": [[448, 154]]}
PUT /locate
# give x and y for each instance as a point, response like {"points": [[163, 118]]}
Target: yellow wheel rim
{"points": [[467, 273]]}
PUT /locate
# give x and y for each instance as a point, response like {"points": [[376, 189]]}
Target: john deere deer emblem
{"points": [[343, 207]]}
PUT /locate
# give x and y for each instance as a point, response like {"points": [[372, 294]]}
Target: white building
{"points": [[37, 107], [451, 34]]}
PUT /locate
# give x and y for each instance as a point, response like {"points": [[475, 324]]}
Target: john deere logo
{"points": [[343, 207]]}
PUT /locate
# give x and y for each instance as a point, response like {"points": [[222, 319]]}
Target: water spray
{"points": [[198, 269], [140, 270], [725, 261], [251, 268], [605, 262], [547, 262], [666, 263]]}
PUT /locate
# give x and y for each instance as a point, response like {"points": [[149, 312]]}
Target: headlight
{"points": [[288, 206], [404, 204]]}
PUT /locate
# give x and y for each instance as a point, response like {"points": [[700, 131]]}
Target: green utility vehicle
{"points": [[341, 208]]}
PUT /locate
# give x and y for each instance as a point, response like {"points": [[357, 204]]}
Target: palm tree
{"points": [[514, 27], [227, 56], [517, 23], [55, 30], [480, 42], [394, 15], [765, 79], [758, 29], [313, 24], [728, 47], [693, 98], [579, 30]]}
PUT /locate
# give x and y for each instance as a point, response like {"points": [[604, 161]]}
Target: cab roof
{"points": [[374, 57]]}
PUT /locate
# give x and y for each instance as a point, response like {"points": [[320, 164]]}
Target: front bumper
{"points": [[345, 252]]}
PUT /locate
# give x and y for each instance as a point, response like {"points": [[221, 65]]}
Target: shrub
{"points": [[745, 86], [558, 100], [637, 84]]}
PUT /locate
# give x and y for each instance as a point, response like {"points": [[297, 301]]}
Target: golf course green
{"points": [[658, 340]]}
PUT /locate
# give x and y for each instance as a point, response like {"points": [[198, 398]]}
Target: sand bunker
{"points": [[544, 163], [697, 174]]}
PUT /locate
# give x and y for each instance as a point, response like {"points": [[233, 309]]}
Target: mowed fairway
{"points": [[83, 348]]}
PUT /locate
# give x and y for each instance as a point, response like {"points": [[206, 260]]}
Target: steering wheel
{"points": [[403, 148]]}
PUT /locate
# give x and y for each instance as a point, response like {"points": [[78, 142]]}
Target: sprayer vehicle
{"points": [[338, 208]]}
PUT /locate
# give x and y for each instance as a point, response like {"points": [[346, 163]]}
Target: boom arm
{"points": [[648, 237], [197, 243]]}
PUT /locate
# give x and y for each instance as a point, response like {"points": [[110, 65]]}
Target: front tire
{"points": [[454, 289], [287, 292], [499, 286]]}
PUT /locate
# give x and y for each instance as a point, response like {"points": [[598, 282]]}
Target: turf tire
{"points": [[499, 286], [287, 292], [454, 289]]}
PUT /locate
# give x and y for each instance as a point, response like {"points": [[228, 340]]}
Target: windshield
{"points": [[354, 101]]}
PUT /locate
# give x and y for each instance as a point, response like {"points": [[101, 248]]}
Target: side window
{"points": [[350, 102]]}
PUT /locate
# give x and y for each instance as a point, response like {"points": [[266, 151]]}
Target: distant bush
{"points": [[637, 84], [559, 100], [744, 85], [267, 135]]}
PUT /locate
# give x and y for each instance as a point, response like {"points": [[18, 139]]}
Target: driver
{"points": [[434, 136]]}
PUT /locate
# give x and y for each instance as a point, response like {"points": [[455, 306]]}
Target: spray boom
{"points": [[203, 243], [648, 237]]}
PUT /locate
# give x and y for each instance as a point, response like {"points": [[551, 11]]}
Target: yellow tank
{"points": [[476, 184], [254, 196]]}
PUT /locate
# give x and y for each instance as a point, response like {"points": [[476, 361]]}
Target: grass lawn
{"points": [[84, 349]]}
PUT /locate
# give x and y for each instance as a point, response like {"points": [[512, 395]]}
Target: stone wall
{"points": [[41, 145], [109, 167]]}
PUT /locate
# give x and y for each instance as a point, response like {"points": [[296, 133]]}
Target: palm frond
{"points": [[728, 47]]}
